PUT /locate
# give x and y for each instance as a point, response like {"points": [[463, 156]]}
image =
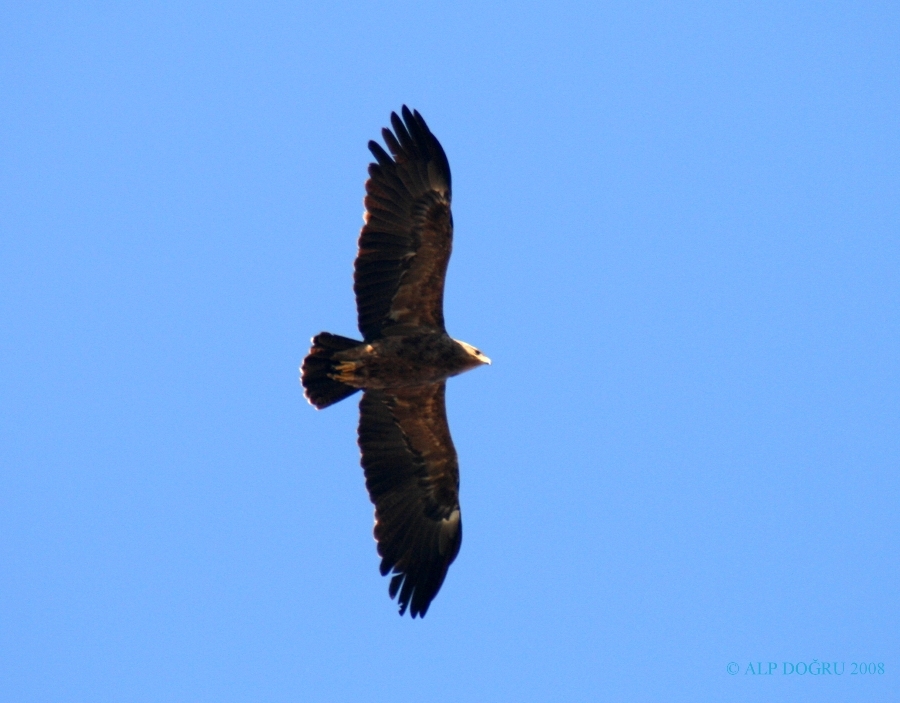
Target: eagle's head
{"points": [[477, 357]]}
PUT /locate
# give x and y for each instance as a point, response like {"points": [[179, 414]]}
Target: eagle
{"points": [[403, 362]]}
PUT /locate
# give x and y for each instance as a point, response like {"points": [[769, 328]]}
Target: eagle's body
{"points": [[403, 362], [399, 362]]}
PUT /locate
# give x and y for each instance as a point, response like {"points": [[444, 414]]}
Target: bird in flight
{"points": [[403, 362]]}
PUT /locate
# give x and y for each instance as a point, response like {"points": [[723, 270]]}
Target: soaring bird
{"points": [[402, 364]]}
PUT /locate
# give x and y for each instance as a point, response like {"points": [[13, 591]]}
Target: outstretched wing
{"points": [[405, 243], [413, 479]]}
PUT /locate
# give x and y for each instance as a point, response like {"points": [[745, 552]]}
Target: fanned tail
{"points": [[319, 388]]}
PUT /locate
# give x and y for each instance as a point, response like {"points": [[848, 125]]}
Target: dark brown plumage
{"points": [[408, 456]]}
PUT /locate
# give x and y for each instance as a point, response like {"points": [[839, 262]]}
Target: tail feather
{"points": [[320, 389]]}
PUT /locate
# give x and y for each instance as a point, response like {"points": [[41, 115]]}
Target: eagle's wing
{"points": [[413, 479], [405, 243]]}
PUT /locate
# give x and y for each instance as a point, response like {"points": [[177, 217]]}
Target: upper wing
{"points": [[405, 243], [413, 479]]}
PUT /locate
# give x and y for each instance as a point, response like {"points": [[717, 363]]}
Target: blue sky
{"points": [[677, 237]]}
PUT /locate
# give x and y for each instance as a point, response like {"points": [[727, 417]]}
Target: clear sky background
{"points": [[677, 237]]}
